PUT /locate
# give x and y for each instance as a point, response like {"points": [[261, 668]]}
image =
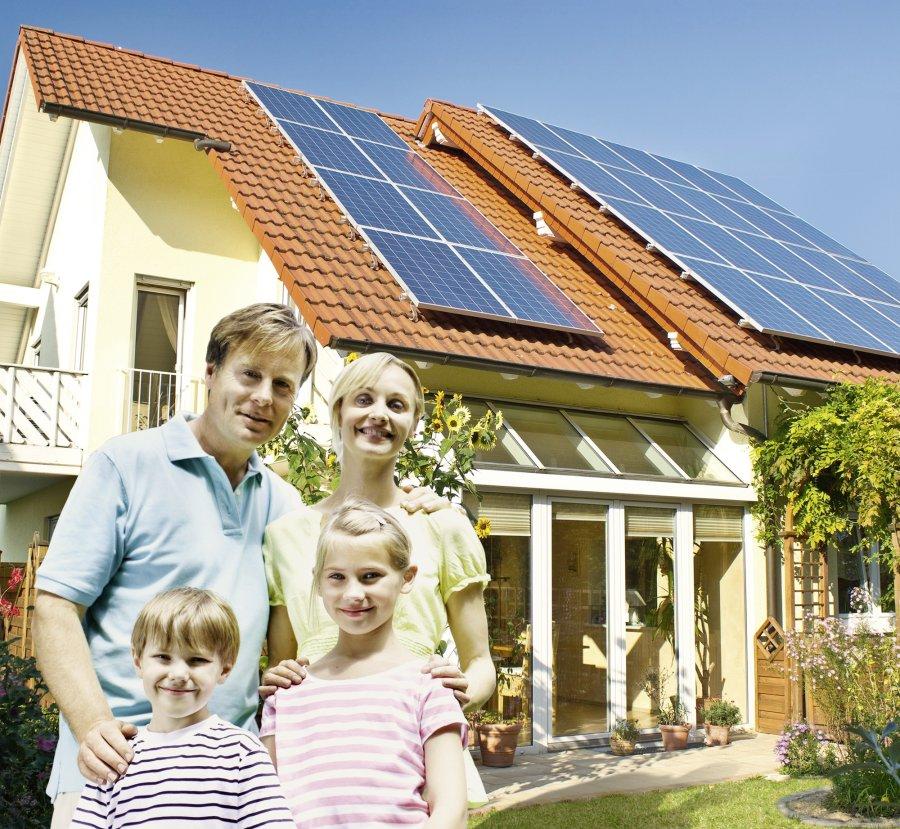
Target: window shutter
{"points": [[509, 514], [649, 522], [717, 523]]}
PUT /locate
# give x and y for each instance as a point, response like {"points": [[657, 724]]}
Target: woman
{"points": [[376, 403]]}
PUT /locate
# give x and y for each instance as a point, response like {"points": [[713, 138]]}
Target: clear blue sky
{"points": [[800, 99]]}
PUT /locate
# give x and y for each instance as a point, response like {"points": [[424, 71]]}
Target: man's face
{"points": [[251, 395]]}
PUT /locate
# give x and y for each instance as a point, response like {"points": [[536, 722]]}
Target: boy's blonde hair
{"points": [[363, 373], [267, 328], [190, 619], [355, 518]]}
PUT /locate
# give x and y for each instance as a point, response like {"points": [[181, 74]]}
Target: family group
{"points": [[179, 554]]}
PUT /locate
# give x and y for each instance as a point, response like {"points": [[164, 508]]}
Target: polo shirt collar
{"points": [[182, 445]]}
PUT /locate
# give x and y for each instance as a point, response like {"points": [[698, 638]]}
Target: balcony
{"points": [[152, 397], [40, 427]]}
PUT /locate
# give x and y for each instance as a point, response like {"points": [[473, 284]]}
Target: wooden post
{"points": [[795, 695]]}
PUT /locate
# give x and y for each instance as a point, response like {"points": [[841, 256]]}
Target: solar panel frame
{"points": [[372, 143], [774, 249]]}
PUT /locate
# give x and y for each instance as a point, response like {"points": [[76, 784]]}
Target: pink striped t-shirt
{"points": [[351, 752]]}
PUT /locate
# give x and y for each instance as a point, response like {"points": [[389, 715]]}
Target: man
{"points": [[183, 504]]}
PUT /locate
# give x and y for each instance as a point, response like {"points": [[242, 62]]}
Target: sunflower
{"points": [[499, 420], [454, 422], [484, 439], [463, 414], [330, 460], [483, 527], [437, 424], [352, 357]]}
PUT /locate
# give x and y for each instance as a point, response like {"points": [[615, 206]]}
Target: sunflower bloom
{"points": [[352, 357], [437, 425], [454, 424], [483, 527], [484, 439], [463, 414]]}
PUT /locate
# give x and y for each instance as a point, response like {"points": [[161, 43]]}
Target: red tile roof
{"points": [[707, 328], [632, 295]]}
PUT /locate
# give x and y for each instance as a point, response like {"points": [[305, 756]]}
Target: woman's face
{"points": [[376, 420]]}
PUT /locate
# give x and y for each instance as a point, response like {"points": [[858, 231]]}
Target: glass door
{"points": [[579, 703]]}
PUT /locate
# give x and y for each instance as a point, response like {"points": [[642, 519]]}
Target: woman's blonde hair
{"points": [[189, 619], [360, 374], [356, 518]]}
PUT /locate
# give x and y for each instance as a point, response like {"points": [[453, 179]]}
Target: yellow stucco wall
{"points": [[168, 217], [20, 519]]}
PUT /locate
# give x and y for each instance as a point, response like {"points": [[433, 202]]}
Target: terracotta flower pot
{"points": [[674, 737], [621, 746], [498, 742], [717, 735]]}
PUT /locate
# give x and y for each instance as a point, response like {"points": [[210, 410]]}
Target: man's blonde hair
{"points": [[189, 619], [356, 518], [267, 328], [361, 374]]}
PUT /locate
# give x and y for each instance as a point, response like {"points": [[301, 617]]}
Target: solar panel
{"points": [[444, 253], [780, 274]]}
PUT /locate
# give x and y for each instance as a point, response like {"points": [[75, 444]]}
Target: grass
{"points": [[749, 804]]}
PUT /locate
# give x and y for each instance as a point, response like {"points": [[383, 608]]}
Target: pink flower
{"points": [[15, 578]]}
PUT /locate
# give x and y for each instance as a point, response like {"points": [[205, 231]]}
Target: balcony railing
{"points": [[40, 406], [152, 397]]}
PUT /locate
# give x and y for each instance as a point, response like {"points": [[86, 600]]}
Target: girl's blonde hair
{"points": [[189, 619], [356, 518], [363, 373]]}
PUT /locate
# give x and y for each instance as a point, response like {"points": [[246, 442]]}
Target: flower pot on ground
{"points": [[497, 738], [718, 719], [673, 726], [623, 737]]}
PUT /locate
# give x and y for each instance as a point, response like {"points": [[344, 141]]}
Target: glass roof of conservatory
{"points": [[543, 437]]}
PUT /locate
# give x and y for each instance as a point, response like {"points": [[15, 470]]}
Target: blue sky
{"points": [[800, 99]]}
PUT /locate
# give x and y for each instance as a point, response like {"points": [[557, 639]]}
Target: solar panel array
{"points": [[780, 274], [441, 250]]}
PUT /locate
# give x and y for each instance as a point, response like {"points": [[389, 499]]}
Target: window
{"points": [[81, 309]]}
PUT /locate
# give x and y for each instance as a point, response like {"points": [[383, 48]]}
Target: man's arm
{"points": [[65, 661]]}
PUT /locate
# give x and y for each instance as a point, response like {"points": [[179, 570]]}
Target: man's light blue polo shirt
{"points": [[149, 512]]}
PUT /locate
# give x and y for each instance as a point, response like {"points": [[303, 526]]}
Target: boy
{"points": [[190, 768]]}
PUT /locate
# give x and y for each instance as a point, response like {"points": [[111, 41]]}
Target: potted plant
{"points": [[718, 718], [623, 737], [673, 725], [498, 737]]}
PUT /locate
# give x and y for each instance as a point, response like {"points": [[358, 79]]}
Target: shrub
{"points": [[672, 713], [722, 712], [869, 784], [27, 741], [855, 677], [803, 751], [626, 729]]}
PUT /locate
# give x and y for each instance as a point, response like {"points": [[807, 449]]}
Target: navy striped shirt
{"points": [[208, 775]]}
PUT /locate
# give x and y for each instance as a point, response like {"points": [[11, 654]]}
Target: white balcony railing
{"points": [[152, 397], [40, 406]]}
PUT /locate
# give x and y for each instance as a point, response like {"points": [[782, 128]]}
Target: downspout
{"points": [[725, 402]]}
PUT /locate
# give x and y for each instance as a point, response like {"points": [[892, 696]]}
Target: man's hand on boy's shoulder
{"points": [[104, 752]]}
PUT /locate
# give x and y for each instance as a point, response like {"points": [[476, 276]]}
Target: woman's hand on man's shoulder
{"points": [[286, 673]]}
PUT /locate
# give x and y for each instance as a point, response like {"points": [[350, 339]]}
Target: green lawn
{"points": [[749, 804]]}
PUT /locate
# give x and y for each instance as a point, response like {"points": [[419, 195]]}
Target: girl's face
{"points": [[377, 420], [359, 585]]}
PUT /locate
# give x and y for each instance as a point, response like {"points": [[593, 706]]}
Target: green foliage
{"points": [[313, 469], [722, 712], [626, 729], [831, 462], [870, 784], [27, 741], [672, 713], [440, 455], [486, 716], [803, 751]]}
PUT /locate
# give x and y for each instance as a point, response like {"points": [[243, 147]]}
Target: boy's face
{"points": [[178, 683]]}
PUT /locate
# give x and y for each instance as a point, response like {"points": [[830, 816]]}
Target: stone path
{"points": [[584, 773]]}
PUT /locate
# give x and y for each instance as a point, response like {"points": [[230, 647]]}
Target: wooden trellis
{"points": [[19, 627]]}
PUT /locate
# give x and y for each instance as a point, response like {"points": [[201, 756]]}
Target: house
{"points": [[141, 199]]}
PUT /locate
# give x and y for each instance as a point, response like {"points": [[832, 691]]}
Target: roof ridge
{"points": [[126, 51], [197, 68]]}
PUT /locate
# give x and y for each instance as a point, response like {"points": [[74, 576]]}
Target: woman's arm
{"points": [[269, 744], [285, 667], [468, 624], [445, 780]]}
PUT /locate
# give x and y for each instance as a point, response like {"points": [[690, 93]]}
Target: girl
{"points": [[357, 741], [376, 403]]}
